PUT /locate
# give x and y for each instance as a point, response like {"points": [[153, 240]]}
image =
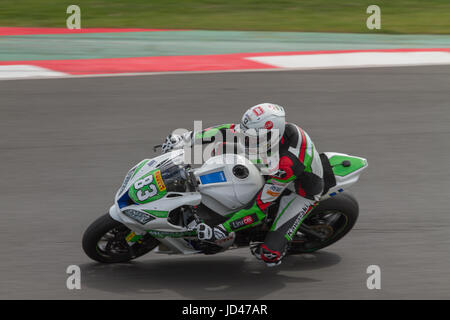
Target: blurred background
{"points": [[79, 108], [400, 16]]}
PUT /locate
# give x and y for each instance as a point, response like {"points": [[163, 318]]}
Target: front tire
{"points": [[343, 209], [104, 241]]}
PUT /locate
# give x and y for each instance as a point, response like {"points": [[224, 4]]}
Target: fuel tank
{"points": [[228, 182]]}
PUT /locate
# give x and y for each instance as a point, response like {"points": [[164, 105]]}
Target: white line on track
{"points": [[356, 59], [26, 72]]}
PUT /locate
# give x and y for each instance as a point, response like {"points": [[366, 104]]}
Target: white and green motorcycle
{"points": [[162, 200]]}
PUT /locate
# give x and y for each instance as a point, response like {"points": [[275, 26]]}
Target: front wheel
{"points": [[333, 219], [104, 241]]}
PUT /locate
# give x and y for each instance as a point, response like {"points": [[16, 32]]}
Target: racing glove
{"points": [[173, 141]]}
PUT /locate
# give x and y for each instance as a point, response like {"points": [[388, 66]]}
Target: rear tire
{"points": [[344, 205], [111, 232]]}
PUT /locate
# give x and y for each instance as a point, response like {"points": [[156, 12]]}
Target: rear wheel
{"points": [[104, 241], [332, 219]]}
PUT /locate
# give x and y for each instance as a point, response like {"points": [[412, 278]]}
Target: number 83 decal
{"points": [[147, 192], [148, 188]]}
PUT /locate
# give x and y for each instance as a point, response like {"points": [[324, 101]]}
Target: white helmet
{"points": [[265, 123]]}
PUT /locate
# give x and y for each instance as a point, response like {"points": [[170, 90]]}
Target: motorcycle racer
{"points": [[294, 172]]}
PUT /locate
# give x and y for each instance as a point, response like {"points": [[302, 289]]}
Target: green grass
{"points": [[397, 16]]}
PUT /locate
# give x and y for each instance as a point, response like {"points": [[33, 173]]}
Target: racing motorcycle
{"points": [[162, 200]]}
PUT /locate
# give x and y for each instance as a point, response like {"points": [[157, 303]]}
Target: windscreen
{"points": [[174, 176]]}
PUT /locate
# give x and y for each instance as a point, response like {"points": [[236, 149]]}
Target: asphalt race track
{"points": [[66, 145]]}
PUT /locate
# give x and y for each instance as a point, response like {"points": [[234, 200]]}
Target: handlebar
{"points": [[157, 147]]}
